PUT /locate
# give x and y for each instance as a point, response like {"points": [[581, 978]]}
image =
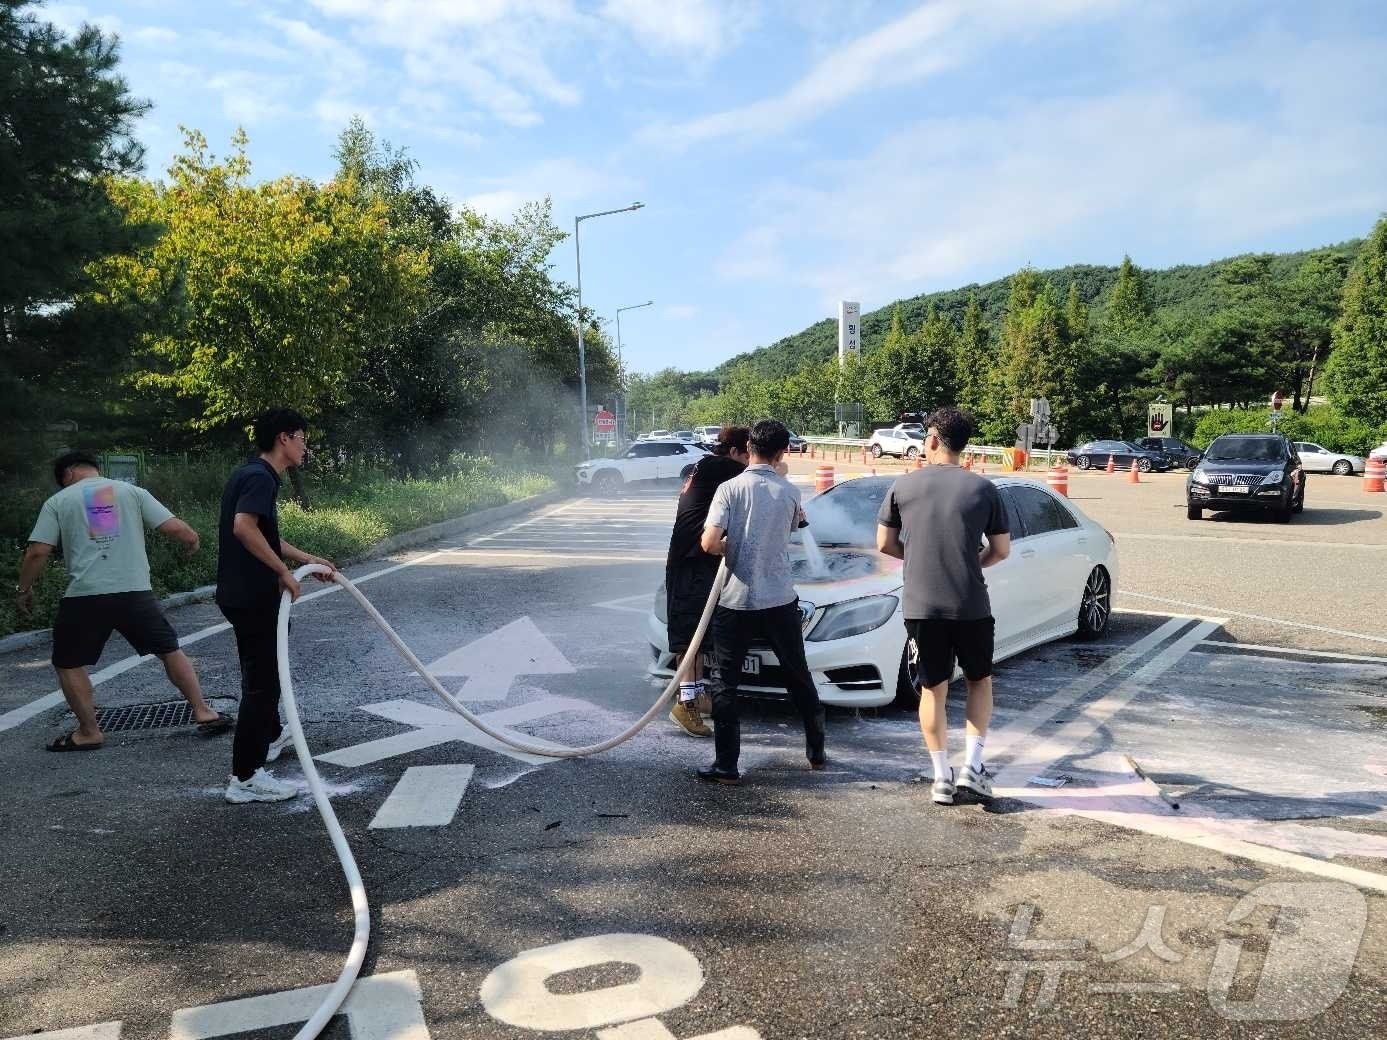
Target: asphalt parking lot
{"points": [[614, 897]]}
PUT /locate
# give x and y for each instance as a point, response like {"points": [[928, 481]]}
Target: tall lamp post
{"points": [[621, 419], [582, 355]]}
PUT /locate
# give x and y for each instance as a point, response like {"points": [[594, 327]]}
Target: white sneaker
{"points": [[979, 781], [284, 740], [261, 787], [942, 793]]}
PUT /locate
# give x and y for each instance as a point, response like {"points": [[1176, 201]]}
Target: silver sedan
{"points": [[1315, 459]]}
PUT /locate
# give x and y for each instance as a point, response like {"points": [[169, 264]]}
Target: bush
{"points": [[1323, 424], [351, 511]]}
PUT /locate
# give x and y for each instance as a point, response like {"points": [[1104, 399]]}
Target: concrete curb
{"points": [[393, 544]]}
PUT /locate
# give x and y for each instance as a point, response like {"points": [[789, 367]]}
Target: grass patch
{"points": [[350, 512]]}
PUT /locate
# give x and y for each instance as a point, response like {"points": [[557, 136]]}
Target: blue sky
{"points": [[792, 153]]}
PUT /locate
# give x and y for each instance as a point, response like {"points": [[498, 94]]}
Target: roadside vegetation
{"points": [[1100, 343], [353, 508]]}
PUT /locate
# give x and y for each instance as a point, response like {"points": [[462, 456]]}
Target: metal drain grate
{"points": [[145, 716]]}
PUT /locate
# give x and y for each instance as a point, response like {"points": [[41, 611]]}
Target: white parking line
{"points": [[1327, 654], [1234, 540], [1255, 617], [545, 515], [1067, 740]]}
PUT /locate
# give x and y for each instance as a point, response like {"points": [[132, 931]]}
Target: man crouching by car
{"points": [[690, 572]]}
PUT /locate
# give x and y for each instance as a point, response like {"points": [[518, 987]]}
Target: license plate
{"points": [[1235, 489], [751, 664]]}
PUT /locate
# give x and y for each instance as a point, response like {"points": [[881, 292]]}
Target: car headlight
{"points": [[1274, 477], [1199, 476], [662, 604], [853, 617]]}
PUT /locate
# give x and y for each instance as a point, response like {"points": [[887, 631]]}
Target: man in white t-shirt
{"points": [[100, 525]]}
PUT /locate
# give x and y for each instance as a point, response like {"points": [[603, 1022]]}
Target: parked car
{"points": [[656, 435], [644, 460], [1380, 452], [1123, 453], [1247, 471], [706, 435], [904, 444], [1058, 581], [1184, 454], [1315, 459], [798, 443]]}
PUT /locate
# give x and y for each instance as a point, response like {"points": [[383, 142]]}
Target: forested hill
{"points": [[1188, 288]]}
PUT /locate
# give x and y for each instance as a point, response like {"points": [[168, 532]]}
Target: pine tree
{"points": [[1128, 314], [1356, 375]]}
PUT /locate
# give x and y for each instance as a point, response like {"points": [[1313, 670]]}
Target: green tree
{"points": [[67, 117], [1356, 375], [1127, 313], [281, 287]]}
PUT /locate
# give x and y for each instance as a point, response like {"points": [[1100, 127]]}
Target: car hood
{"points": [[852, 574], [1243, 465]]}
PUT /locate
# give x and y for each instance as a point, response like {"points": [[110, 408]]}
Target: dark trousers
{"points": [[734, 631], [257, 722]]}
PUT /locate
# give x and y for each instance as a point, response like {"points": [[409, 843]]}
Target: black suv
{"points": [[1186, 455], [1247, 471]]}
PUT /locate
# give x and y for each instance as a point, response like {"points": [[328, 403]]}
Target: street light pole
{"points": [[582, 354], [620, 422]]}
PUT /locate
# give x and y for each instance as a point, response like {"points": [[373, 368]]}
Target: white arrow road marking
{"points": [[434, 726], [100, 1031], [493, 662], [637, 604], [382, 1007], [426, 796]]}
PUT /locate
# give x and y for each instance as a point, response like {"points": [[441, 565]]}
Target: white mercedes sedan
{"points": [[1057, 582]]}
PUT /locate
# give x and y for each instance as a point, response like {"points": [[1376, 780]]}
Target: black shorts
{"points": [[84, 623], [931, 647], [687, 587]]}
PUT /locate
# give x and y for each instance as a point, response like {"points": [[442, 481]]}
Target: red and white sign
{"points": [[604, 421], [1276, 401]]}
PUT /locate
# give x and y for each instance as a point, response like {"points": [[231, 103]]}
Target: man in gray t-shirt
{"points": [[749, 524], [937, 519]]}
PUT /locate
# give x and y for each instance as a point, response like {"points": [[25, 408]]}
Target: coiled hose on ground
{"points": [[360, 908]]}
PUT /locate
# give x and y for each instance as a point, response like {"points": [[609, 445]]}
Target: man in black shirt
{"points": [[690, 572], [936, 520], [251, 573]]}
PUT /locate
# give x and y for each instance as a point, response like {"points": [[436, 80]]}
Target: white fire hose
{"points": [[360, 909]]}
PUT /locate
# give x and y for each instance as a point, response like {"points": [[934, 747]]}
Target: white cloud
{"points": [[946, 200], [681, 311], [153, 36], [698, 28], [573, 185], [931, 39]]}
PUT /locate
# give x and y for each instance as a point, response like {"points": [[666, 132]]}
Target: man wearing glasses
{"points": [[251, 573]]}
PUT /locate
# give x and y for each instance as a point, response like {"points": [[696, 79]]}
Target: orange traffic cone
{"points": [[1059, 479], [1112, 464], [823, 478], [1133, 476], [1375, 476]]}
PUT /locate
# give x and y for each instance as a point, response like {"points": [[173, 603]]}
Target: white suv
{"points": [[644, 460], [905, 444]]}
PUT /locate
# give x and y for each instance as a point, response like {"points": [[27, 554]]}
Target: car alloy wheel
{"points": [[876, 451], [1095, 609], [1084, 462], [912, 453], [1343, 468], [1144, 465], [606, 483]]}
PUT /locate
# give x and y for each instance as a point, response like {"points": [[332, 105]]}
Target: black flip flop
{"points": [[66, 743], [220, 724]]}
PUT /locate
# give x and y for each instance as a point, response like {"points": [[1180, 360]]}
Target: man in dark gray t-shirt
{"points": [[936, 520]]}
